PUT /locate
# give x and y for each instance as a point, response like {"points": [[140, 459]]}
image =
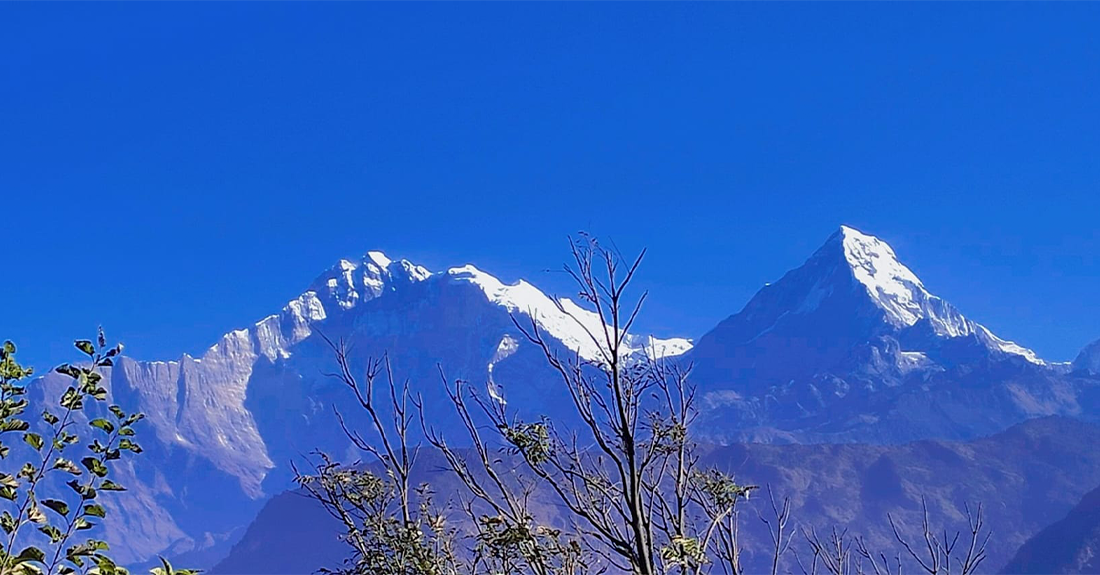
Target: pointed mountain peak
{"points": [[893, 287], [378, 258], [856, 286], [349, 282]]}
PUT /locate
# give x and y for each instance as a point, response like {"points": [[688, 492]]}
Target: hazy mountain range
{"points": [[1027, 477], [849, 347]]}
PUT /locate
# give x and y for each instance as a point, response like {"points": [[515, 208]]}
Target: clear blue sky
{"points": [[174, 171]]}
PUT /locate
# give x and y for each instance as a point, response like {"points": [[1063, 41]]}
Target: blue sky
{"points": [[174, 171]]}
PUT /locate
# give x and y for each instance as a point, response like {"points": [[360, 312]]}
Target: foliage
{"points": [[382, 541], [506, 546], [167, 569], [55, 497]]}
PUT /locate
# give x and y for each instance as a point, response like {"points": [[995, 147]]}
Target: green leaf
{"points": [[95, 466], [9, 348], [103, 424], [69, 438], [87, 549], [106, 566], [35, 514], [109, 485], [80, 524], [117, 411], [8, 493], [34, 440], [69, 370], [166, 568], [13, 425], [95, 511], [30, 554], [85, 491], [66, 465], [49, 417], [130, 445], [71, 399], [60, 507], [85, 346], [102, 339], [53, 533], [7, 523]]}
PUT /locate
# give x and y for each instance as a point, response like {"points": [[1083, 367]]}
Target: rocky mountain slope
{"points": [[1088, 362], [1069, 545]]}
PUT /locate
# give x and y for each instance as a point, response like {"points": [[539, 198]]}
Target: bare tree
{"points": [[627, 472], [936, 556], [834, 553], [624, 474], [509, 539], [939, 555], [390, 525], [717, 495], [777, 528]]}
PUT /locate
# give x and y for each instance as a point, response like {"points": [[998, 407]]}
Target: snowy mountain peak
{"points": [[855, 289], [892, 286], [901, 295], [874, 261], [350, 283], [379, 258]]}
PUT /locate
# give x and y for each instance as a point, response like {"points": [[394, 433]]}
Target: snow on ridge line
{"points": [[275, 335], [901, 294], [571, 324], [379, 258]]}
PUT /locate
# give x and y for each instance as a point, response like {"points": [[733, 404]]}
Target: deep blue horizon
{"points": [[175, 171]]}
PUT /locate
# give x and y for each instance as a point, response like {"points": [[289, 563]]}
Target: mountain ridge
{"points": [[848, 347]]}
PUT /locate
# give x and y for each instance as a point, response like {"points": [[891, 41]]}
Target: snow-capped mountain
{"points": [[225, 425], [848, 347], [851, 346]]}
